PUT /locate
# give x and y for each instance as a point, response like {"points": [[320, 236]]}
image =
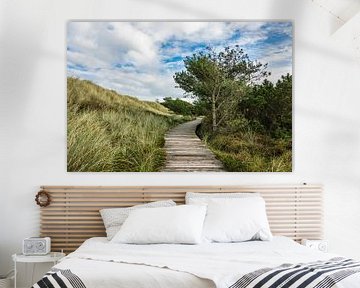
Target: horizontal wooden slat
{"points": [[50, 232], [188, 187], [99, 198], [279, 219], [74, 227], [73, 216]]}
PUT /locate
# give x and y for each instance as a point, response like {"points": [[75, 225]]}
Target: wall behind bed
{"points": [[33, 105]]}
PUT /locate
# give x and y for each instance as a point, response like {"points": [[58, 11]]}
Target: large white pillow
{"points": [[181, 224], [204, 198], [113, 218], [236, 220]]}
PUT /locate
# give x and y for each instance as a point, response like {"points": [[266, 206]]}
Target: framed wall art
{"points": [[179, 96]]}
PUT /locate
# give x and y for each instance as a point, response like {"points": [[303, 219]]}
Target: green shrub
{"points": [[249, 151], [178, 106]]}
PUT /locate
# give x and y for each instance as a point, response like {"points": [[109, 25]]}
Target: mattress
{"points": [[99, 263]]}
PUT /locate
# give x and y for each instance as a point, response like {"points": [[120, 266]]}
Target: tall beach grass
{"points": [[108, 132]]}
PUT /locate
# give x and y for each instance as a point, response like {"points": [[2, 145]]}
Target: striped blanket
{"points": [[57, 278], [320, 274]]}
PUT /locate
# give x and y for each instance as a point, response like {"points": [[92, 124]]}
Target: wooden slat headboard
{"points": [[73, 215]]}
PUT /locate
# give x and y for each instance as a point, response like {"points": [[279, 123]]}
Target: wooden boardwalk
{"points": [[185, 152]]}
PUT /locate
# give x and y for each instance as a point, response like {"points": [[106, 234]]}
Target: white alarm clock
{"points": [[36, 246], [320, 245]]}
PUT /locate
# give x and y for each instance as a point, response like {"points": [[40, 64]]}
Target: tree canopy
{"points": [[219, 79]]}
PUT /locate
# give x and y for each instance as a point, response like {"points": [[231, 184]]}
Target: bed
{"points": [[99, 263], [282, 262]]}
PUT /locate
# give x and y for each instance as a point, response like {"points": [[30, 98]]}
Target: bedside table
{"points": [[320, 245], [53, 257]]}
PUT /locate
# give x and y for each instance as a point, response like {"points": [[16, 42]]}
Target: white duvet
{"points": [[100, 263]]}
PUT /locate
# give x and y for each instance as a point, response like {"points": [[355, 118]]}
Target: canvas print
{"points": [[179, 96]]}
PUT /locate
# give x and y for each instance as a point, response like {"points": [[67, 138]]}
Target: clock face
{"points": [[40, 245], [323, 247]]}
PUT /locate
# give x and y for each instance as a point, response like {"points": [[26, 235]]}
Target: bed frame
{"points": [[73, 214]]}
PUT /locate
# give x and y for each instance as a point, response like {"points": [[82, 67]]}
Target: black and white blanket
{"points": [[320, 274], [59, 278]]}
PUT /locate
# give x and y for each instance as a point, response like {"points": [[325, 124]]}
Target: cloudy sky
{"points": [[140, 58]]}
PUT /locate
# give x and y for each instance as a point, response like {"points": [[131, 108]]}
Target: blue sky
{"points": [[140, 58]]}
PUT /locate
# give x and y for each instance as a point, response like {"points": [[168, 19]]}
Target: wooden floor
{"points": [[185, 152]]}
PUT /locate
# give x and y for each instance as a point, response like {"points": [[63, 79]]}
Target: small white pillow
{"points": [[113, 218], [204, 198], [236, 220], [180, 224]]}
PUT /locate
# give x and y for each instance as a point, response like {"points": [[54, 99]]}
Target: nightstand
{"points": [[320, 245], [53, 257]]}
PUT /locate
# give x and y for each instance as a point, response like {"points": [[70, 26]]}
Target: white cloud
{"points": [[130, 57]]}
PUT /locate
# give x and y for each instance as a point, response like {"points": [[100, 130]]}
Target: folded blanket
{"points": [[319, 274], [59, 278]]}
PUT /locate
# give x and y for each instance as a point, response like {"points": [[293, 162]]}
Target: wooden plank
{"points": [[185, 152]]}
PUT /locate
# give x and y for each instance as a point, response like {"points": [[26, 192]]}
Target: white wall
{"points": [[33, 107]]}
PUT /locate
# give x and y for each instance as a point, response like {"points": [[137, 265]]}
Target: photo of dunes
{"points": [[179, 96]]}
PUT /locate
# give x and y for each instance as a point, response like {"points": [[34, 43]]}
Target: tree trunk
{"points": [[213, 108]]}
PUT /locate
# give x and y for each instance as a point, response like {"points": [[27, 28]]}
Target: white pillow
{"points": [[236, 220], [180, 224], [204, 198], [113, 218]]}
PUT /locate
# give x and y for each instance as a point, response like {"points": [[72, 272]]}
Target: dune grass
{"points": [[248, 151], [108, 132]]}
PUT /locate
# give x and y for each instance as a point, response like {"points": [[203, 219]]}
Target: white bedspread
{"points": [[102, 264]]}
